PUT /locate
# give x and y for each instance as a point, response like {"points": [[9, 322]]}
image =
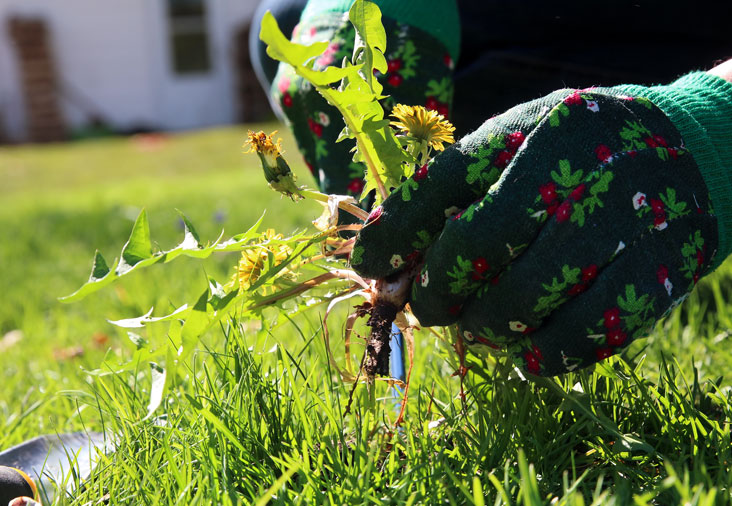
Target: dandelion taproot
{"points": [[424, 125], [276, 170]]}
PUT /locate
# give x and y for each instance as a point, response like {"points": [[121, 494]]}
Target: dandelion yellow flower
{"points": [[254, 260], [260, 142], [278, 174], [423, 124]]}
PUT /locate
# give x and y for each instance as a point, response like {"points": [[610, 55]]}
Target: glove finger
{"points": [[565, 258], [643, 285], [411, 218], [543, 185]]}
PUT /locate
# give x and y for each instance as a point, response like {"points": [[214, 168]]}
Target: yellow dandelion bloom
{"points": [[261, 143], [254, 260], [423, 124]]}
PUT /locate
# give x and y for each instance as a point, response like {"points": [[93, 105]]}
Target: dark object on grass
{"points": [[15, 483], [49, 460]]}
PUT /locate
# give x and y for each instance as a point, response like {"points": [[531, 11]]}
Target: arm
{"points": [[723, 70]]}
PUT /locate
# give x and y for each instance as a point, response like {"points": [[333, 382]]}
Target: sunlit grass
{"points": [[257, 414]]}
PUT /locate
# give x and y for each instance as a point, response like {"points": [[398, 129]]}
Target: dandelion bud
{"points": [[278, 174]]}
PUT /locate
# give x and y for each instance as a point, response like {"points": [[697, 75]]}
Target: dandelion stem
{"points": [[346, 206]]}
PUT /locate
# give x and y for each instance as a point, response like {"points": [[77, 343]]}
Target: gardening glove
{"points": [[563, 229], [422, 45]]}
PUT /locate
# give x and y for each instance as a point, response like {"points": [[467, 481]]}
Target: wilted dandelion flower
{"points": [[254, 260], [423, 124], [278, 174]]}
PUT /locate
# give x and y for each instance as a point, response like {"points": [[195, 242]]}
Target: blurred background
{"points": [[107, 108], [80, 68]]}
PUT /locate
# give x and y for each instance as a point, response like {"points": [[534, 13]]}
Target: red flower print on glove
{"points": [[662, 277], [573, 99], [577, 192], [603, 153], [603, 353], [420, 173], [287, 99], [356, 185], [611, 317], [616, 337], [502, 159], [394, 65], [395, 80], [548, 192], [564, 211], [480, 266], [514, 141], [532, 363], [577, 289], [662, 273], [589, 273]]}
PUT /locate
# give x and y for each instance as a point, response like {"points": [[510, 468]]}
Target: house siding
{"points": [[113, 61]]}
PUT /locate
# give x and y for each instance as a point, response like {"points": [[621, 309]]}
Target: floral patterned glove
{"points": [[419, 73], [559, 231]]}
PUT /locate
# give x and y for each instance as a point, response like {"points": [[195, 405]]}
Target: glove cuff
{"points": [[439, 18], [700, 106]]}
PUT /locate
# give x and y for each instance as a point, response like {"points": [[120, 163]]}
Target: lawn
{"points": [[256, 414]]}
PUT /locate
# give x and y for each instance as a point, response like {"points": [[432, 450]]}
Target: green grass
{"points": [[256, 414]]}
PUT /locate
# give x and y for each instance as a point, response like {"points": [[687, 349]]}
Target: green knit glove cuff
{"points": [[700, 106], [439, 18]]}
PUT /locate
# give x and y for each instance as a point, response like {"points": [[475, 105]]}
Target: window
{"points": [[189, 36]]}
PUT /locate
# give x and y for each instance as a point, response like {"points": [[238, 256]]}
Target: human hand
{"points": [[560, 231], [419, 73]]}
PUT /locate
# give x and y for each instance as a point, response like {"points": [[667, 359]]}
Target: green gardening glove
{"points": [[421, 50], [564, 228]]}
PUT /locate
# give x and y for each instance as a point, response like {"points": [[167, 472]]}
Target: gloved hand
{"points": [[566, 227], [420, 73]]}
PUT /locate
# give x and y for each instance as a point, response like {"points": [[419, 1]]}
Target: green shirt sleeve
{"points": [[700, 106]]}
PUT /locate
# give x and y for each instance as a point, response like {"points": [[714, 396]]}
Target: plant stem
{"points": [[346, 206]]}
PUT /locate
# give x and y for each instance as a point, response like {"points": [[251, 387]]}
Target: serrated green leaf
{"points": [[138, 246], [141, 321], [191, 239], [280, 48], [137, 340], [357, 97], [99, 267], [235, 243], [370, 41]]}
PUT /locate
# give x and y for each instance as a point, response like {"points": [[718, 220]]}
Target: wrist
{"points": [[723, 70], [700, 106]]}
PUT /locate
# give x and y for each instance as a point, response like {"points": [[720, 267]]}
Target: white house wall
{"points": [[112, 58]]}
